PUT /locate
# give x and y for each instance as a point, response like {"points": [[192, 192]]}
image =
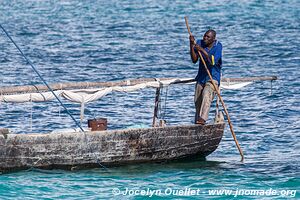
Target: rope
{"points": [[159, 104], [81, 112], [163, 116], [166, 97], [31, 113], [1, 94], [35, 70], [96, 157], [271, 87], [59, 111]]}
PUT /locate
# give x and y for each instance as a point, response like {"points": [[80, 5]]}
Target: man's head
{"points": [[209, 37]]}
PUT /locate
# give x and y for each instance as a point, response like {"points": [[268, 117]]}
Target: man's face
{"points": [[208, 38]]}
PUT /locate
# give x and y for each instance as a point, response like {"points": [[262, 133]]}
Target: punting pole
{"points": [[35, 70], [219, 95]]}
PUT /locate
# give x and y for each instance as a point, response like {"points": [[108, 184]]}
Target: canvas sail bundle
{"points": [[84, 96]]}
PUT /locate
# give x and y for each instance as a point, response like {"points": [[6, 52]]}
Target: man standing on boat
{"points": [[211, 51]]}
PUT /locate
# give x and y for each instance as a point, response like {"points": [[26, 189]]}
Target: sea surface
{"points": [[69, 41]]}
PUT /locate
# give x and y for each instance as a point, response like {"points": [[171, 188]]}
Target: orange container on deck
{"points": [[99, 124]]}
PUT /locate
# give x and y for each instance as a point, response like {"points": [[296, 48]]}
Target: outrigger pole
{"points": [[219, 95], [35, 70]]}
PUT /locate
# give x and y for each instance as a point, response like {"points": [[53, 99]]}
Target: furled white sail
{"points": [[84, 96], [234, 85]]}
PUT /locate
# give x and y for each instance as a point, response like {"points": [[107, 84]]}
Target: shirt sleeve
{"points": [[217, 54], [199, 43]]}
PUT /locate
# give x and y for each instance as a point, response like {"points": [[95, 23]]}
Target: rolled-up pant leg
{"points": [[204, 100], [198, 99]]}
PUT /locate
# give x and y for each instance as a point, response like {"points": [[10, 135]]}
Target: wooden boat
{"points": [[114, 147], [106, 148]]}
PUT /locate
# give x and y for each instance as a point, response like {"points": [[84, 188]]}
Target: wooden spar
{"points": [[86, 85], [249, 79], [219, 95], [76, 85]]}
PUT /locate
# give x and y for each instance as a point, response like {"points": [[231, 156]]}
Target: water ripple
{"points": [[116, 40]]}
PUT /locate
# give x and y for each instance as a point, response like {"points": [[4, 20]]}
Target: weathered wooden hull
{"points": [[114, 147]]}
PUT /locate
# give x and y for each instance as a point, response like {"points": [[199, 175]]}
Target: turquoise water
{"points": [[116, 40]]}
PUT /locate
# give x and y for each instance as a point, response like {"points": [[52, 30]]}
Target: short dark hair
{"points": [[213, 32]]}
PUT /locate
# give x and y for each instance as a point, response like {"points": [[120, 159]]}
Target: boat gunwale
{"points": [[107, 132]]}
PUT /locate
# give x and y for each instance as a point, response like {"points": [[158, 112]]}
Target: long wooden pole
{"points": [[74, 85], [219, 95], [85, 85]]}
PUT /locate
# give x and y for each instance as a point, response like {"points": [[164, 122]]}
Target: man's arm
{"points": [[211, 58], [200, 49], [193, 54]]}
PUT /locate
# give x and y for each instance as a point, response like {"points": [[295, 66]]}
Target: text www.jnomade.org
{"points": [[197, 192]]}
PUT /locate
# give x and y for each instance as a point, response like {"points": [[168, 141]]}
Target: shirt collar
{"points": [[214, 45]]}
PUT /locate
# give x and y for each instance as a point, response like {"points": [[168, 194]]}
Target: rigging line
{"points": [[91, 151], [159, 103], [30, 63], [271, 86], [31, 113], [165, 104], [35, 70]]}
